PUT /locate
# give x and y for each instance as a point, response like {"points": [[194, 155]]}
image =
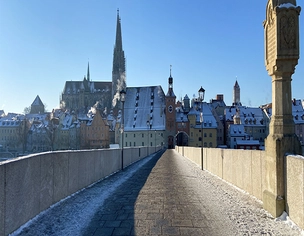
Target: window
{"points": [[200, 139], [142, 135], [210, 144], [134, 135], [142, 144], [134, 144], [205, 135], [210, 135]]}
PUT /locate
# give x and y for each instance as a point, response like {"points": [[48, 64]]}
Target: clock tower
{"points": [[170, 113]]}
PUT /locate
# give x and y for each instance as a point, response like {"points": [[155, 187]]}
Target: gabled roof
{"points": [[37, 102], [142, 105], [250, 116], [74, 87]]}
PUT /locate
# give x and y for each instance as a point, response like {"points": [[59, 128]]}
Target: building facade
{"points": [[203, 125], [144, 117], [94, 132]]}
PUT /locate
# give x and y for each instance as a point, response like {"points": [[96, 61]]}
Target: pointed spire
{"points": [[88, 72], [119, 65], [170, 81], [118, 42]]}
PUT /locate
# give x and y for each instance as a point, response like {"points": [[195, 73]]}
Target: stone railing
{"points": [[31, 184], [294, 188], [242, 168], [246, 170]]}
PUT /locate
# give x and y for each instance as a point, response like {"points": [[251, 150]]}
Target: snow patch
{"points": [[285, 218], [287, 5]]}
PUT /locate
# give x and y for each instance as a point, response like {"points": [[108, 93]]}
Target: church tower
{"points": [[119, 68], [170, 113], [236, 94], [88, 72]]}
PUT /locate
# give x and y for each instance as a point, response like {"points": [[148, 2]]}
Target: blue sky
{"points": [[45, 43]]}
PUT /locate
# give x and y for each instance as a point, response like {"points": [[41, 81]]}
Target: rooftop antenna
{"points": [[170, 69]]}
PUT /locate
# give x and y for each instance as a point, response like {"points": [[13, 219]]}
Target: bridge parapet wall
{"points": [[246, 170], [295, 189], [31, 184], [242, 168]]}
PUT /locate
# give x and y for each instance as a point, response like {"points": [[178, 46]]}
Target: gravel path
{"points": [[164, 194]]}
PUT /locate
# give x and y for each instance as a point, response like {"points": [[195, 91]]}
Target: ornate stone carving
{"points": [[288, 32]]}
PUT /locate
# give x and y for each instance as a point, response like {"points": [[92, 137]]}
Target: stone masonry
{"points": [[281, 56]]}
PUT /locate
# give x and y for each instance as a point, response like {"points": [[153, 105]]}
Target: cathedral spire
{"points": [[118, 41], [88, 72], [119, 68]]}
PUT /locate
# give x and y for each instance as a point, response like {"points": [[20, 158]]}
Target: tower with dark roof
{"points": [[236, 94], [88, 72], [37, 106], [170, 112], [119, 67]]}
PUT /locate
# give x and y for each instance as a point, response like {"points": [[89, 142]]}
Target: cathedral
{"points": [[80, 96]]}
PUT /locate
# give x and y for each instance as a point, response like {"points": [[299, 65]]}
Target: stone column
{"points": [[281, 56]]}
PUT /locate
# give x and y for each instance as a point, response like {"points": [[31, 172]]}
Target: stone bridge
{"points": [[162, 193]]}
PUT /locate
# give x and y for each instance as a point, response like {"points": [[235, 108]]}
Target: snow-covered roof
{"points": [[297, 111], [142, 105], [2, 113], [208, 118], [74, 87], [32, 117], [248, 142], [180, 116], [66, 121], [9, 123], [250, 116], [237, 131]]}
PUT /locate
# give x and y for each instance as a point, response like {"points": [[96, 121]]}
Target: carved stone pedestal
{"points": [[276, 150], [281, 57]]}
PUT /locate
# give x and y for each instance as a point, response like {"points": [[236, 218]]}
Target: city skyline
{"points": [[44, 44]]}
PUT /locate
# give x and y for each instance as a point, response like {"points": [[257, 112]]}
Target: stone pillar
{"points": [[281, 56]]}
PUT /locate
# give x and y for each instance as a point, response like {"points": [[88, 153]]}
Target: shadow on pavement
{"points": [[116, 215]]}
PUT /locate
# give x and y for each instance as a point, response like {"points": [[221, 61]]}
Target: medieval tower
{"points": [[236, 94], [170, 113], [119, 66]]}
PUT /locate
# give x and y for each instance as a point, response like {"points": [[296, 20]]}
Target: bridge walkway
{"points": [[164, 194]]}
